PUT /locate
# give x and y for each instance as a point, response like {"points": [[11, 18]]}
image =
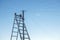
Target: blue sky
{"points": [[42, 18]]}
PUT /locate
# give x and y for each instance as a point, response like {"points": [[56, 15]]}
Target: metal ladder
{"points": [[19, 27]]}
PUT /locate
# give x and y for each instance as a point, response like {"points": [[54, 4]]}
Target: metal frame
{"points": [[21, 28]]}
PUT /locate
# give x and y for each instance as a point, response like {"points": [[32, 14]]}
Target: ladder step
{"points": [[22, 30], [20, 26], [20, 20], [15, 23], [26, 38], [14, 36], [24, 33], [15, 32], [15, 27], [20, 23]]}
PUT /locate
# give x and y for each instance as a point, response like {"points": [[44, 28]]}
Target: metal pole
{"points": [[23, 23]]}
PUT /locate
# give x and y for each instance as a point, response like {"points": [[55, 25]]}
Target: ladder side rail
{"points": [[18, 28], [27, 31], [12, 29]]}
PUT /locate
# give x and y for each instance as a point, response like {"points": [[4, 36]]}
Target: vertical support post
{"points": [[23, 23]]}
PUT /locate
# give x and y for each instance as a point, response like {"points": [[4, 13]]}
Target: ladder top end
{"points": [[15, 13]]}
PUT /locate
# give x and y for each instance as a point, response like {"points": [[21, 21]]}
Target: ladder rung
{"points": [[20, 23], [15, 23], [24, 33], [19, 20], [26, 38], [15, 27], [22, 30], [14, 36], [22, 26], [14, 31], [21, 33]]}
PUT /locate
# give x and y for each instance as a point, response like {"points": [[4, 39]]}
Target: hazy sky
{"points": [[42, 18]]}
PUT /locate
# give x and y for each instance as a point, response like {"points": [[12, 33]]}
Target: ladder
{"points": [[19, 27]]}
